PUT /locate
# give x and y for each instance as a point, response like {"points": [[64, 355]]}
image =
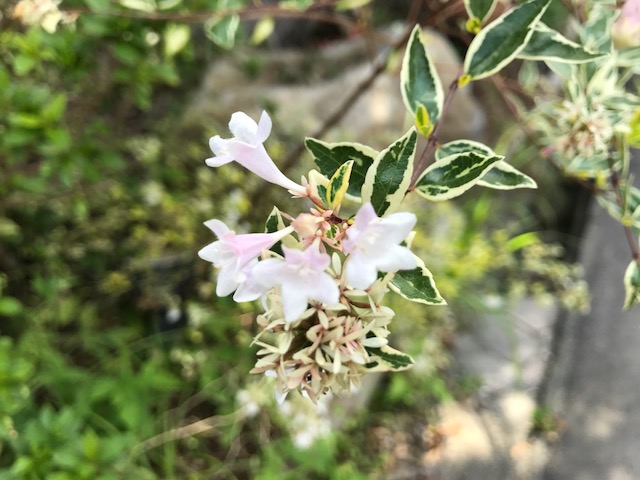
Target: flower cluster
{"points": [[321, 278]]}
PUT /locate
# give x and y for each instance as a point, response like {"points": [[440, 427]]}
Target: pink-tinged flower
{"points": [[246, 147], [626, 29], [373, 245], [235, 256], [301, 277]]}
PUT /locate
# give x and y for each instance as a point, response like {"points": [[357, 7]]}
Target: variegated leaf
{"points": [[387, 359], [417, 285], [480, 9], [389, 177], [339, 184], [453, 175], [631, 285], [502, 40], [462, 146], [330, 156], [273, 224], [419, 81], [549, 45], [503, 176]]}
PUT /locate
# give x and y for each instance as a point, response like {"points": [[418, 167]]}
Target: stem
{"points": [[433, 138], [615, 184]]}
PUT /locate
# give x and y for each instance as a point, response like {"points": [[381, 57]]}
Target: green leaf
{"points": [[503, 176], [417, 285], [140, 5], [273, 224], [9, 307], [295, 4], [222, 30], [548, 45], [462, 146], [351, 4], [330, 156], [502, 40], [339, 184], [387, 359], [389, 177], [23, 64], [480, 9], [631, 285], [453, 175], [175, 36], [419, 81], [54, 110]]}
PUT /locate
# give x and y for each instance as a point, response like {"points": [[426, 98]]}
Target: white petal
{"points": [[294, 301], [269, 272], [217, 226], [219, 160], [264, 127], [210, 253], [243, 127], [398, 225], [360, 272], [326, 290], [396, 258], [226, 282]]}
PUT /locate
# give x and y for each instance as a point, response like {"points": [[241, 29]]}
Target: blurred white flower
{"points": [[41, 12], [626, 29]]}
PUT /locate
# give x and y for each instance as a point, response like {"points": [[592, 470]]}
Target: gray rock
{"points": [[303, 88], [594, 385]]}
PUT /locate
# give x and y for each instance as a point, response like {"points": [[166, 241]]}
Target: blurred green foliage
{"points": [[111, 340]]}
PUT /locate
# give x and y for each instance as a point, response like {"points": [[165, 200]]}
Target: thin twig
{"points": [[196, 428], [378, 66]]}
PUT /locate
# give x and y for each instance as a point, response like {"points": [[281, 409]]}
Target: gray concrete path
{"points": [[594, 385]]}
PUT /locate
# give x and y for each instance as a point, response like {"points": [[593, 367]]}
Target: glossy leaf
{"points": [[387, 359], [389, 177], [480, 9], [462, 146], [631, 285], [502, 176], [419, 81], [338, 184], [548, 45], [502, 40], [273, 224], [330, 156], [453, 175], [417, 285]]}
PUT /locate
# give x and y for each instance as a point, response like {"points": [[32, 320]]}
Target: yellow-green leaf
{"points": [[479, 9], [631, 285], [339, 184]]}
